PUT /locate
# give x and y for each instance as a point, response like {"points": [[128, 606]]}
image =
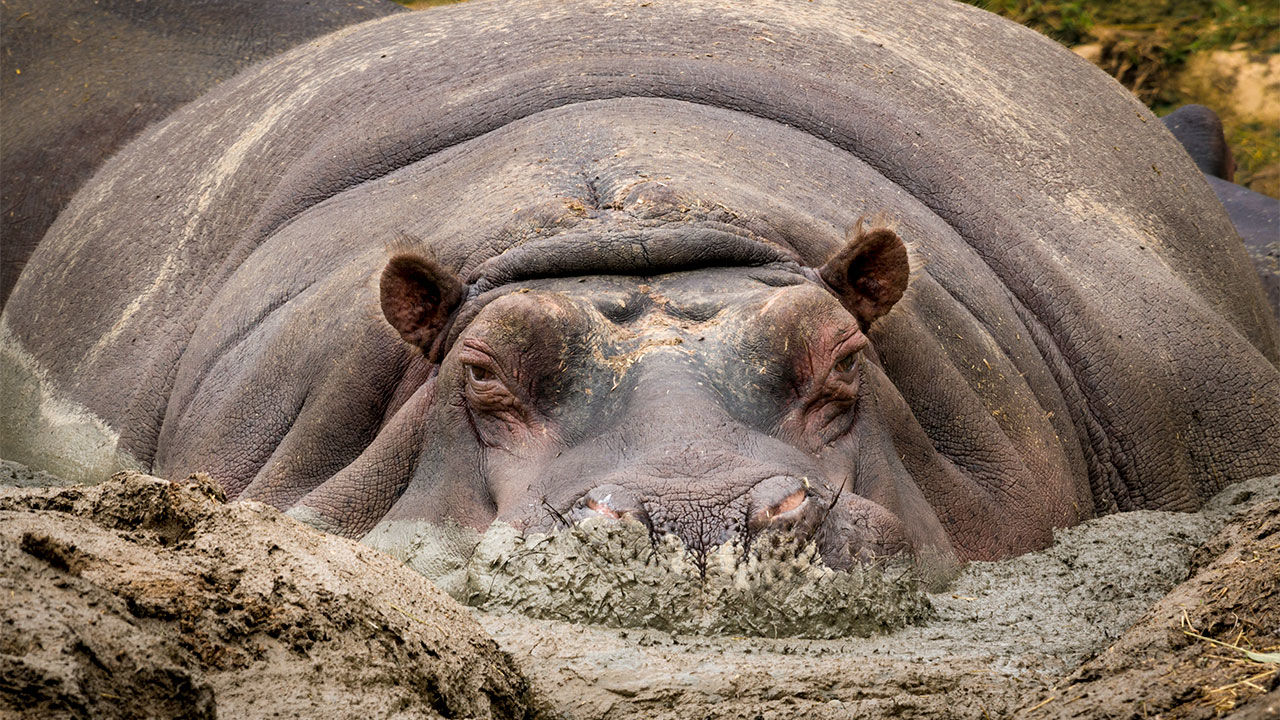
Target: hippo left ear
{"points": [[869, 274], [418, 295]]}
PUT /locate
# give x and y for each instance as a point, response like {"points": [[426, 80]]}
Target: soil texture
{"points": [[1210, 648], [1004, 637], [144, 598]]}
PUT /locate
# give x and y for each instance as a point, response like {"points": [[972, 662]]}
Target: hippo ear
{"points": [[869, 274], [418, 295]]}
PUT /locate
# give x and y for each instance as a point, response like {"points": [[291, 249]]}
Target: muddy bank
{"points": [[1003, 635], [157, 592], [141, 598], [1210, 647]]}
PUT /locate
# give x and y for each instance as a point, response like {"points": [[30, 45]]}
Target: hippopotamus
{"points": [[1256, 217], [900, 278]]}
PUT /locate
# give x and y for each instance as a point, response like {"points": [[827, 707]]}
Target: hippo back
{"points": [[80, 78]]}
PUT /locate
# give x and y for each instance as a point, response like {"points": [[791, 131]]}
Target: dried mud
{"points": [[141, 598], [1199, 652], [1003, 635], [157, 592]]}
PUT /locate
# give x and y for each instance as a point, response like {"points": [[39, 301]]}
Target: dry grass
{"points": [[1248, 669]]}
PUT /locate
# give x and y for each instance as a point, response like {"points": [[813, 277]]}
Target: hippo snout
{"points": [[779, 503], [858, 531]]}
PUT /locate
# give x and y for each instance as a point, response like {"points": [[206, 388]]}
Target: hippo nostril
{"points": [[602, 508], [791, 502], [780, 502], [611, 501]]}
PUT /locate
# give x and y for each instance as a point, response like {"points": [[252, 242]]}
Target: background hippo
{"points": [[532, 262], [1255, 216]]}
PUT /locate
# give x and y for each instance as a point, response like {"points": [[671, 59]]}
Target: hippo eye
{"points": [[845, 364], [479, 374]]}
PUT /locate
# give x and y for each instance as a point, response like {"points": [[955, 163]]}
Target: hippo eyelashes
{"points": [[847, 352], [485, 388], [481, 376], [846, 363], [482, 372], [496, 411]]}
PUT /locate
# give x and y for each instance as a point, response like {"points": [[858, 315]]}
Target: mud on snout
{"points": [[616, 572]]}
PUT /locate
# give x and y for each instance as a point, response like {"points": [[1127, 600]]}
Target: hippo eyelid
{"points": [[481, 369], [847, 351], [846, 363], [477, 353], [485, 380], [479, 373]]}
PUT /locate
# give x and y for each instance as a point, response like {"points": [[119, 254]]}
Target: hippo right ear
{"points": [[869, 274], [418, 295]]}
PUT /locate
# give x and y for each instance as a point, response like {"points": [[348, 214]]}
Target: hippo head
{"points": [[704, 398]]}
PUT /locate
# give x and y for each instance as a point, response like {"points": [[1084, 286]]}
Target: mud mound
{"points": [[145, 598], [609, 573], [1210, 647], [1003, 635]]}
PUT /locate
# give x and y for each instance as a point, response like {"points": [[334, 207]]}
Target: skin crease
{"points": [[285, 283]]}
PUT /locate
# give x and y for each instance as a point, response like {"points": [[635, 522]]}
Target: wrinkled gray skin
{"points": [[80, 78], [533, 262], [1255, 216]]}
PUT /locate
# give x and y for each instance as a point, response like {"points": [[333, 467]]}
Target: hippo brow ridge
{"points": [[644, 251], [640, 252]]}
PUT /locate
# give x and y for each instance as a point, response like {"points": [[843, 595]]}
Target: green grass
{"points": [[1191, 25]]}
